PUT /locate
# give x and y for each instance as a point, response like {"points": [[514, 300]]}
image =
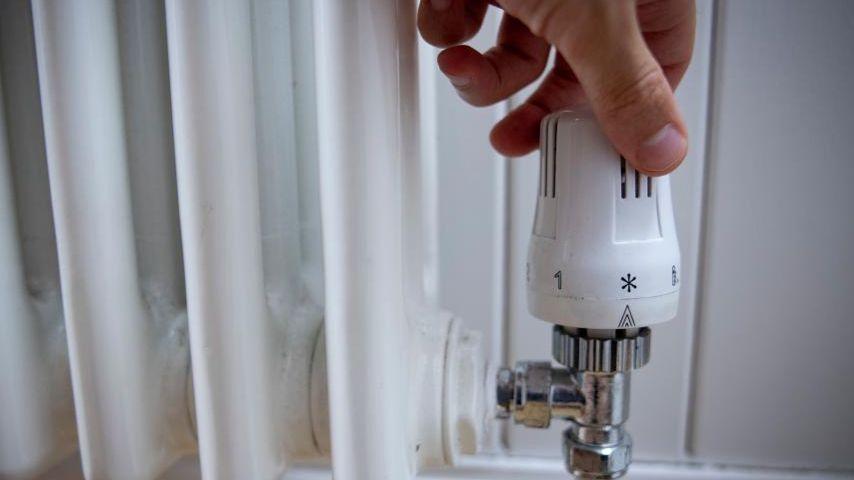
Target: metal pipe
{"points": [[121, 416], [417, 397], [359, 105], [591, 391], [150, 148], [25, 136], [26, 432], [36, 407], [305, 130], [232, 334], [275, 126]]}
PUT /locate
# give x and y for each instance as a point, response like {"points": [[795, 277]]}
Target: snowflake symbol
{"points": [[628, 282]]}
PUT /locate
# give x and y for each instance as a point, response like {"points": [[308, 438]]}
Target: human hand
{"points": [[623, 58]]}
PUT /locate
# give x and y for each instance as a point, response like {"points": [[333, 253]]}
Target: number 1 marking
{"points": [[558, 276]]}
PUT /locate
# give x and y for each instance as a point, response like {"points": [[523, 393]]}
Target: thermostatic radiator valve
{"points": [[603, 265]]}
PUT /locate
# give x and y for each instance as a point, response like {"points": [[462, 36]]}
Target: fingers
{"points": [[518, 59], [625, 86], [664, 15], [450, 22], [668, 29], [518, 133]]}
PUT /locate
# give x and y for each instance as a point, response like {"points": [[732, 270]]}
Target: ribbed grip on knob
{"points": [[581, 352]]}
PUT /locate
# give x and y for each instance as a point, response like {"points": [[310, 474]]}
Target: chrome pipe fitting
{"points": [[600, 453], [592, 392]]}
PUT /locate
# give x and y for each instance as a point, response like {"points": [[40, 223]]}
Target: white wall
{"points": [[755, 370]]}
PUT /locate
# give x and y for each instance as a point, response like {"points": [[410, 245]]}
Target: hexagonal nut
{"points": [[585, 460], [505, 387], [532, 402]]}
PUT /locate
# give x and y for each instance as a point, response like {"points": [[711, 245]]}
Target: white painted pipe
{"points": [[150, 148], [26, 145], [26, 432], [305, 125], [122, 393], [429, 169], [406, 382], [291, 296], [233, 337], [37, 428], [276, 149], [367, 335], [141, 26]]}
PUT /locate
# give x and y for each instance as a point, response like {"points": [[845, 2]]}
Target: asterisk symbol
{"points": [[628, 282]]}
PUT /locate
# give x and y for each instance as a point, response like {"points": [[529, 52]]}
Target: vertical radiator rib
{"points": [[231, 332], [150, 147], [36, 406], [26, 145], [276, 149], [294, 309], [367, 335], [121, 392], [26, 433], [302, 55]]}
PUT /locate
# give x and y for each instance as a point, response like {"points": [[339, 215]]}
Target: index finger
{"points": [[445, 23]]}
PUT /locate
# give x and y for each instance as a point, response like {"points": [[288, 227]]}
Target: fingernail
{"points": [[440, 5], [459, 81], [662, 150]]}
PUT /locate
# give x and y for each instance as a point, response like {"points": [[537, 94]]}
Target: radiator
{"points": [[218, 242]]}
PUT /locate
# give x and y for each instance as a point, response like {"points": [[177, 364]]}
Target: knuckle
{"points": [[663, 15], [647, 88], [546, 19]]}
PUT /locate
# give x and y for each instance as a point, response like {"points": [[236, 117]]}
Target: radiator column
{"points": [[124, 396], [236, 369], [26, 430]]}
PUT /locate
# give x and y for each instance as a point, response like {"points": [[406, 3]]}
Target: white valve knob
{"points": [[603, 252]]}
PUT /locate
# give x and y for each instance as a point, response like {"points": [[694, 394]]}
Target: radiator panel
{"points": [[182, 142]]}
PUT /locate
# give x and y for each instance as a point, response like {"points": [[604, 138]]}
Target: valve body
{"points": [[603, 265]]}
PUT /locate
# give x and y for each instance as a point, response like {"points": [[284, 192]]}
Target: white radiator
{"points": [[167, 290]]}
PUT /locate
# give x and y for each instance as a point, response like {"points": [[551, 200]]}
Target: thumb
{"points": [[627, 89]]}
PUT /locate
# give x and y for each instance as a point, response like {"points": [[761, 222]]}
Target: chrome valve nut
{"points": [[596, 453], [525, 393], [505, 386], [578, 351]]}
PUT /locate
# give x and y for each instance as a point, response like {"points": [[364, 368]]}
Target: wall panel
{"points": [[774, 381]]}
